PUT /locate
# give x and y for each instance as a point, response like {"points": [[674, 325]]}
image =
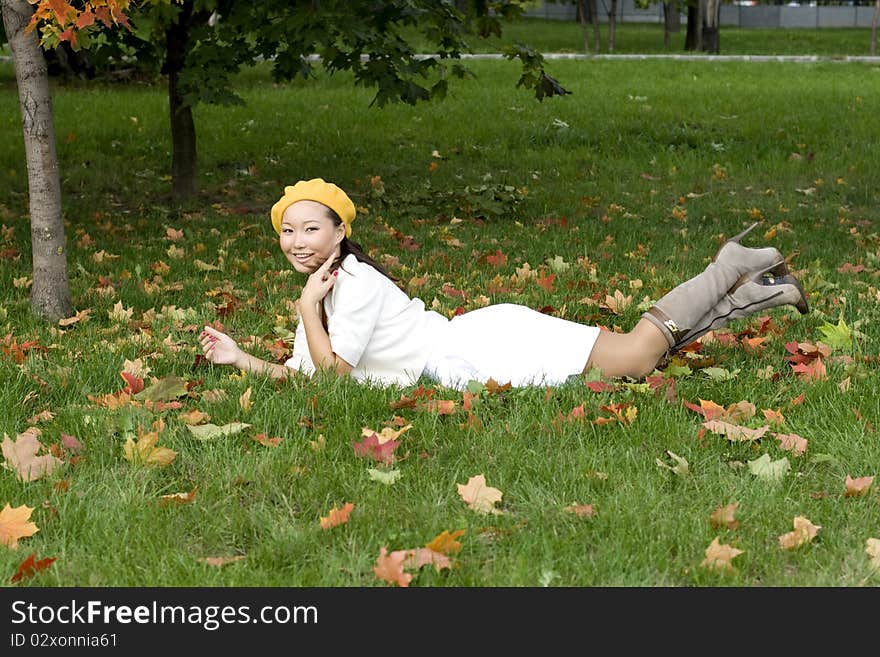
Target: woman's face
{"points": [[308, 237]]}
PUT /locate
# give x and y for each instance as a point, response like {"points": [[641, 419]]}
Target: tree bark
{"points": [[50, 292], [874, 27], [612, 25], [594, 19], [183, 128], [671, 21], [582, 20], [712, 27], [694, 38]]}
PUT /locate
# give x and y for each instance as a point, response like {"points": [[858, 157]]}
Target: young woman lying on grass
{"points": [[356, 321]]}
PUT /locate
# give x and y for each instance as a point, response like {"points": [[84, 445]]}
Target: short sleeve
{"points": [[357, 303], [300, 359]]}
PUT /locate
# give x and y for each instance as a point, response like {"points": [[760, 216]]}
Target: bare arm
{"points": [[320, 282], [220, 349]]}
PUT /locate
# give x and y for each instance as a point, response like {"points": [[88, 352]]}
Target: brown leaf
{"points": [[245, 400], [858, 487], [220, 561], [445, 542], [41, 416], [337, 516], [773, 416], [581, 510], [734, 432], [193, 416], [21, 456], [15, 524], [719, 555], [804, 532], [478, 496], [723, 516]]}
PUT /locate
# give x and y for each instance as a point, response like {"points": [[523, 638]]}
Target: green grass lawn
{"points": [[629, 184]]}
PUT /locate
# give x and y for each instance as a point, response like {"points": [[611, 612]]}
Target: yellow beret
{"points": [[318, 190]]}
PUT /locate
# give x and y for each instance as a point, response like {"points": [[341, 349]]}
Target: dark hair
{"points": [[348, 247]]}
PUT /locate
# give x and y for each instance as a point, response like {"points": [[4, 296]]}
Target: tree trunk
{"points": [[582, 19], [694, 38], [612, 25], [874, 28], [594, 19], [50, 293], [671, 21], [183, 128], [712, 27]]}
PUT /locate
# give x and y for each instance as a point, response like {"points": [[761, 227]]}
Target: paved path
{"points": [[797, 59]]}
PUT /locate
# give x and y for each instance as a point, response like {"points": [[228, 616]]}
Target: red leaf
{"points": [[29, 567], [135, 384], [498, 259], [546, 281], [813, 371], [370, 447]]}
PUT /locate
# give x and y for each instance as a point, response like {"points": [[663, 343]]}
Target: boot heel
{"points": [[738, 238], [779, 270]]}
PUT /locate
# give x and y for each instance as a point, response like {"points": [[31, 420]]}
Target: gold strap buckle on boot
{"points": [[668, 322]]}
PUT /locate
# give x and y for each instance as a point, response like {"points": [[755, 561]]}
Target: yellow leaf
{"points": [[245, 400], [15, 524], [445, 542], [478, 496], [386, 434], [804, 532]]}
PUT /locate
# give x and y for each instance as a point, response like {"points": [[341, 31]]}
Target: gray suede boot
{"points": [[751, 294], [679, 312]]}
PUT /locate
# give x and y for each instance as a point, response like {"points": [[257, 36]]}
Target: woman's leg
{"points": [[632, 354]]}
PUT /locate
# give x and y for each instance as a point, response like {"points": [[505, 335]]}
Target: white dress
{"points": [[390, 338]]}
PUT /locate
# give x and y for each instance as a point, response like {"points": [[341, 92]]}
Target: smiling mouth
{"points": [[302, 257]]}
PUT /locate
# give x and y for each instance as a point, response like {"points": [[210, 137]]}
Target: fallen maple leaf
{"points": [[15, 524], [145, 451], [812, 371], [70, 442], [386, 434], [804, 532], [773, 416], [793, 442], [763, 468], [445, 542], [581, 510], [389, 567], [872, 548], [178, 498], [220, 561], [30, 567], [857, 487], [371, 447], [263, 439], [41, 416], [337, 516], [734, 432], [723, 516], [478, 496], [21, 456], [245, 400], [211, 431], [419, 557], [439, 406], [719, 555], [194, 416]]}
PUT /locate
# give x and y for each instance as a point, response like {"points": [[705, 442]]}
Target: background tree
{"points": [[50, 295], [874, 27], [201, 44]]}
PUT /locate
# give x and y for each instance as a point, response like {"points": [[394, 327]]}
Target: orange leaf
{"points": [[220, 561], [263, 439], [773, 417], [719, 555], [813, 371], [15, 524], [804, 532], [30, 567], [439, 406], [193, 417], [389, 567], [793, 442], [420, 557], [445, 542], [498, 259], [581, 510], [337, 516], [723, 516], [858, 487]]}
